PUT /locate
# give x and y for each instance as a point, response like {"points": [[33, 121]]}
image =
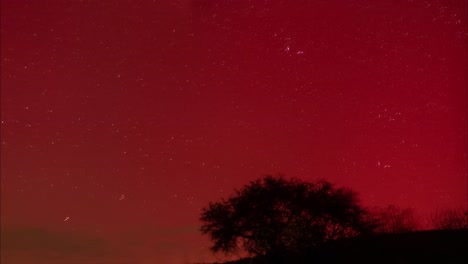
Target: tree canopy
{"points": [[274, 215]]}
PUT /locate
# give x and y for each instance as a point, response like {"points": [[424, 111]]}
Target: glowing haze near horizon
{"points": [[122, 119]]}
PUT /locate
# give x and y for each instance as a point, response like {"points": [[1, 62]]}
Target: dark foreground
{"points": [[444, 247]]}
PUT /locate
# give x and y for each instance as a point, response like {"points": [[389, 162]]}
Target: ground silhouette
{"points": [[430, 246]]}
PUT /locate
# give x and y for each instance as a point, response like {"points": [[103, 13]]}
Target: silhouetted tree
{"points": [[450, 219], [274, 216], [392, 219]]}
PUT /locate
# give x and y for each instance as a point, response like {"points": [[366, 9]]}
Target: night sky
{"points": [[121, 120]]}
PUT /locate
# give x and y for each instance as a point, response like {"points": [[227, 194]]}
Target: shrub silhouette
{"points": [[274, 217], [450, 219], [392, 219]]}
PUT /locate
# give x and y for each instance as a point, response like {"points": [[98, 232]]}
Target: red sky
{"points": [[127, 117]]}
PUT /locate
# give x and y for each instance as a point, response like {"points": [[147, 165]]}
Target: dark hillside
{"points": [[447, 246], [443, 247]]}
